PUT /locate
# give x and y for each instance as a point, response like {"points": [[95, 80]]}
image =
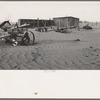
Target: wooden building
{"points": [[36, 22], [66, 22]]}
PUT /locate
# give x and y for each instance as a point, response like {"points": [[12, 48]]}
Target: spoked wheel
{"points": [[28, 38]]}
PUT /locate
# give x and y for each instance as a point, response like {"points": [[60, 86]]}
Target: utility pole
{"points": [[67, 22], [38, 22], [50, 22]]}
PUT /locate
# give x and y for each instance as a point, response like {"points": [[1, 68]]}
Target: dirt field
{"points": [[55, 51]]}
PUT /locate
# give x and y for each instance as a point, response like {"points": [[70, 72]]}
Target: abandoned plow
{"points": [[18, 35]]}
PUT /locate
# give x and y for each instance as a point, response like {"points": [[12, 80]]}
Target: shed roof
{"points": [[35, 19], [65, 17]]}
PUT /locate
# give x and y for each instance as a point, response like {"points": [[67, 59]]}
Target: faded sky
{"points": [[89, 11]]}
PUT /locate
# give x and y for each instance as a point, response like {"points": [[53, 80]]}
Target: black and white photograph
{"points": [[49, 49], [49, 35]]}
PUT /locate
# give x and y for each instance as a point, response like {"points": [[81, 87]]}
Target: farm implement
{"points": [[17, 35]]}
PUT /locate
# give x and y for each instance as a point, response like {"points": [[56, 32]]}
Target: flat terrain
{"points": [[54, 51]]}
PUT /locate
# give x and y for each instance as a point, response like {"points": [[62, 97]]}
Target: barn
{"points": [[66, 22], [36, 22]]}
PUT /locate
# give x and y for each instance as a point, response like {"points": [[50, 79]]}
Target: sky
{"points": [[86, 11]]}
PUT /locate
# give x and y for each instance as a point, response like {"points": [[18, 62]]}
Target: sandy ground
{"points": [[54, 51]]}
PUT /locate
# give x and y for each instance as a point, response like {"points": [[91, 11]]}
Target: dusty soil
{"points": [[55, 51]]}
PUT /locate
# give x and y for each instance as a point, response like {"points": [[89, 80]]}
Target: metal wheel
{"points": [[28, 38]]}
